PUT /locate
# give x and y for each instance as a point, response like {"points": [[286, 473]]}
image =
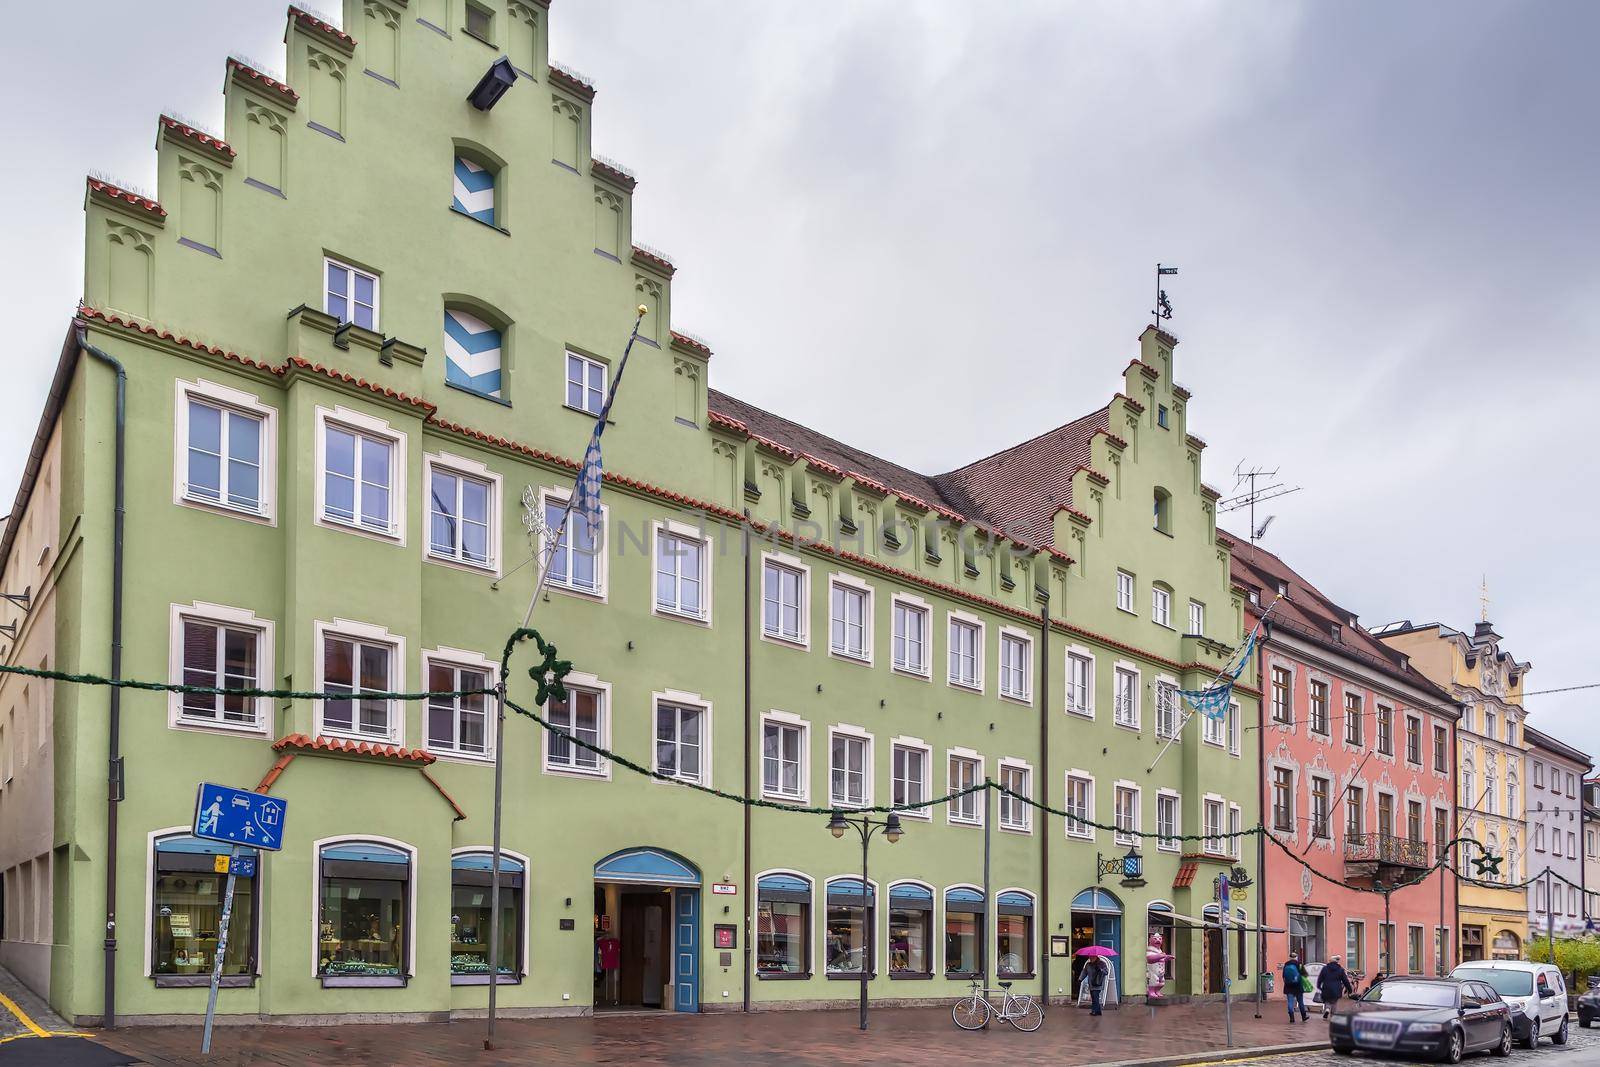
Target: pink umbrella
{"points": [[1096, 950]]}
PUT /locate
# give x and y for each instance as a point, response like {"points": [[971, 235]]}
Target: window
{"points": [[1015, 660], [1162, 511], [1282, 698], [358, 479], [586, 383], [1124, 590], [963, 932], [1441, 831], [223, 456], [1385, 730], [783, 760], [1160, 606], [910, 930], [1126, 697], [357, 666], [909, 777], [783, 926], [850, 770], [851, 621], [1167, 717], [1319, 808], [966, 645], [1080, 805], [1319, 708], [681, 575], [1167, 821], [460, 517], [1214, 728], [1235, 730], [1441, 958], [1414, 950], [351, 295], [1538, 839], [1197, 618], [680, 740], [460, 724], [1414, 820], [1215, 813], [227, 656], [1235, 828], [1080, 684], [471, 885], [1511, 731], [473, 351], [965, 772], [783, 613], [364, 930], [186, 895], [910, 637], [1127, 813], [1414, 740], [1161, 416], [1385, 814], [1014, 934], [480, 21], [1355, 946], [1352, 719], [1538, 774], [1490, 723], [578, 563], [1283, 799], [1015, 814], [1307, 935], [581, 715], [848, 935], [472, 190], [1441, 750]]}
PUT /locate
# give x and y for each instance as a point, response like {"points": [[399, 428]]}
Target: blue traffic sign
{"points": [[243, 867], [239, 817]]}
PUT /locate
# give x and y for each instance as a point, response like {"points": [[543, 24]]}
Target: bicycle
{"points": [[973, 1012]]}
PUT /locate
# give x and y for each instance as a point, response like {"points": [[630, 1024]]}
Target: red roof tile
{"points": [[652, 259], [354, 748], [683, 340], [235, 66], [323, 29], [1186, 872], [183, 129], [571, 83], [602, 169]]}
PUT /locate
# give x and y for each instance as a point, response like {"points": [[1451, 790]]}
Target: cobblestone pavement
{"points": [[23, 1012], [1584, 1049]]}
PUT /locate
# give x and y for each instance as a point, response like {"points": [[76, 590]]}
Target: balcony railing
{"points": [[1386, 849]]}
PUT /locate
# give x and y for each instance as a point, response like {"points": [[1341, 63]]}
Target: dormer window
{"points": [[1283, 588], [474, 189], [1333, 630]]}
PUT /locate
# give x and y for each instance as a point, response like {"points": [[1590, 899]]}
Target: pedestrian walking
{"points": [[1333, 982], [1294, 987], [1095, 973]]}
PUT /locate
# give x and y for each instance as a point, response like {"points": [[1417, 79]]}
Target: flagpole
{"points": [[549, 554]]}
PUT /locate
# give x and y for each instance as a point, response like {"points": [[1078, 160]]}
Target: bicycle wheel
{"points": [[970, 1013], [1025, 1014]]}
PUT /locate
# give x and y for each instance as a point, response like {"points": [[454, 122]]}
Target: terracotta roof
{"points": [[693, 344], [616, 175], [571, 82], [1186, 872], [238, 66], [354, 748], [116, 192], [199, 137], [328, 31], [653, 259]]}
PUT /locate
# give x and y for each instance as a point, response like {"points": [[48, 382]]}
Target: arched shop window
{"points": [[471, 882], [847, 938], [910, 931], [783, 926], [1014, 934], [963, 933], [187, 897], [364, 933]]}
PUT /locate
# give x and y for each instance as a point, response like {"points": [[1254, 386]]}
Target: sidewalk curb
{"points": [[1221, 1055]]}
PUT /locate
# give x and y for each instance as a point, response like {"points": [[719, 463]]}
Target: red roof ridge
{"points": [[1144, 368], [117, 192], [84, 310], [728, 421], [326, 29], [354, 748], [612, 173], [242, 67], [571, 82], [654, 259], [694, 344], [198, 136], [382, 390]]}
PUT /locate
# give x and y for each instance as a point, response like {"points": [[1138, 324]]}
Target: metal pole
{"points": [[1227, 974], [867, 932], [1261, 917], [222, 948], [1550, 914], [494, 864], [988, 900]]}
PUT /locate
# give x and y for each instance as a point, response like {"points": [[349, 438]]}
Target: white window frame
{"points": [[1197, 618], [679, 698], [1119, 789], [784, 720], [1161, 606], [916, 606], [851, 584], [602, 568], [1214, 731], [1235, 824], [1086, 832], [350, 289], [587, 362], [1175, 709], [963, 618], [219, 615], [1424, 741], [1083, 654], [1173, 843], [1312, 778], [1125, 667], [1235, 729], [914, 744], [673, 528], [462, 467], [363, 633], [221, 396], [476, 661], [950, 786], [352, 421], [602, 769], [1214, 845], [1011, 763], [784, 561], [853, 733], [1020, 637], [1127, 592]]}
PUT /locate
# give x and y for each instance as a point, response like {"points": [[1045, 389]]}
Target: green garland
{"points": [[241, 691]]}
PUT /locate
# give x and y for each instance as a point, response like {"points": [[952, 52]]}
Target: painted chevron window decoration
{"points": [[474, 190], [471, 352]]}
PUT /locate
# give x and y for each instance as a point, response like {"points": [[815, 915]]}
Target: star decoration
{"points": [[1487, 865], [548, 674]]}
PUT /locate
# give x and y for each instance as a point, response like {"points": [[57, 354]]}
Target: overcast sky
{"points": [[929, 229]]}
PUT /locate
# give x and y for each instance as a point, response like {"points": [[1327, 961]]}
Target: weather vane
{"points": [[1163, 308]]}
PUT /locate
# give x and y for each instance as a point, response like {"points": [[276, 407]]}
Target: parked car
{"points": [[1442, 1017], [1537, 989], [1589, 1003]]}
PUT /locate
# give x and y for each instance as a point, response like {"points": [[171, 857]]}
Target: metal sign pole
{"points": [[1227, 976], [222, 948]]}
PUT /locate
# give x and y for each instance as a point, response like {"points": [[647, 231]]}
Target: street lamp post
{"points": [[866, 827]]}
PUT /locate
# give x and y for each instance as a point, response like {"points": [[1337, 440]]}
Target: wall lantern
{"points": [[493, 85]]}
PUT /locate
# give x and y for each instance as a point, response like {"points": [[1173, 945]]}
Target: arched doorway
{"points": [[647, 930], [1159, 920], [1096, 920], [1507, 946]]}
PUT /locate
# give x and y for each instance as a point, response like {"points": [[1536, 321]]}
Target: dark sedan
{"points": [[1443, 1017], [1589, 1004]]}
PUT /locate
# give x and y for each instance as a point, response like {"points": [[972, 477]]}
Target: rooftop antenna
{"points": [[1163, 308], [1254, 495]]}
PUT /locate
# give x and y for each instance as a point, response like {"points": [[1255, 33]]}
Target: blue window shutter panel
{"points": [[474, 191], [471, 352]]}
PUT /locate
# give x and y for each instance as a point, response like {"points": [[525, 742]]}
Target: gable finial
{"points": [[1483, 599]]}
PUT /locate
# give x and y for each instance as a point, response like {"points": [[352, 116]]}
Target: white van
{"points": [[1535, 992]]}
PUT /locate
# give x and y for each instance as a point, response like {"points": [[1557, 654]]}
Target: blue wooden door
{"points": [[1108, 934], [686, 948]]}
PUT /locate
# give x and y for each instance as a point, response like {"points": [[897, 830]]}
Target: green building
{"points": [[364, 333]]}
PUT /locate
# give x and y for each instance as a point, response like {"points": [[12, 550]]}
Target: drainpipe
{"points": [[749, 890], [1261, 817], [114, 780], [1046, 709]]}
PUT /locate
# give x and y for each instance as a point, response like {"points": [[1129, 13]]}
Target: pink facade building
{"points": [[1358, 781]]}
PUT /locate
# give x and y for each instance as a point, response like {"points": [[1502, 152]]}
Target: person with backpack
{"points": [[1294, 987], [1333, 982], [1095, 973]]}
